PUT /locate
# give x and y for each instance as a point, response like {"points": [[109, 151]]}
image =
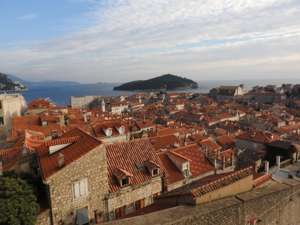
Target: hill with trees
{"points": [[166, 82]]}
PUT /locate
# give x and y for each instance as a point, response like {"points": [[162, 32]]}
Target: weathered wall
{"points": [[129, 195], [240, 186], [272, 204], [91, 166]]}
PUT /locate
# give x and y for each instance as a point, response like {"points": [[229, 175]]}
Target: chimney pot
{"points": [[278, 161]]}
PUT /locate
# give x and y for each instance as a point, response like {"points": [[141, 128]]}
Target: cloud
{"points": [[30, 16], [201, 39]]}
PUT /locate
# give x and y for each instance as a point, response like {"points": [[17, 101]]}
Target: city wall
{"points": [[275, 203]]}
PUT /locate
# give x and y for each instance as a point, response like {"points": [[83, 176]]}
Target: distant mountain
{"points": [[166, 82], [46, 83], [7, 84]]}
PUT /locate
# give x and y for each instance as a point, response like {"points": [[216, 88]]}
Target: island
{"points": [[7, 85], [164, 82]]}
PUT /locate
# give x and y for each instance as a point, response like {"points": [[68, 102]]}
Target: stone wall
{"points": [[92, 166], [131, 194], [271, 204], [240, 186], [43, 218]]}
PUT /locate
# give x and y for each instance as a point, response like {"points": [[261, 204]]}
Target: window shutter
{"points": [[76, 188]]}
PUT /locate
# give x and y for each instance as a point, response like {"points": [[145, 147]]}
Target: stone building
{"points": [[82, 102], [134, 177], [10, 105], [74, 170]]}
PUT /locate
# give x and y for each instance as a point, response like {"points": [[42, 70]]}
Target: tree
{"points": [[18, 204]]}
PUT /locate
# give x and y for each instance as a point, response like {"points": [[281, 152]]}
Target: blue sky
{"points": [[121, 40], [34, 20]]}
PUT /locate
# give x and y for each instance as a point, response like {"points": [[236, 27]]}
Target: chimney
{"points": [[103, 105], [278, 161], [61, 160], [1, 167], [215, 164], [267, 167], [85, 118]]}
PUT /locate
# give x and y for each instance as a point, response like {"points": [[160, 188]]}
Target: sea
{"points": [[61, 94]]}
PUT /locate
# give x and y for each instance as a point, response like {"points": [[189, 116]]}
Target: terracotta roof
{"points": [[130, 156], [198, 162], [257, 136], [9, 157], [210, 183], [226, 141], [221, 182], [33, 139], [191, 153], [166, 131], [164, 142], [99, 127], [81, 143], [40, 104], [211, 145]]}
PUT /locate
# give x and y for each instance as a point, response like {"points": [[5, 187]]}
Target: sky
{"points": [[122, 40]]}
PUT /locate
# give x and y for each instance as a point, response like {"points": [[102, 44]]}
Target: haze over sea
{"points": [[61, 94]]}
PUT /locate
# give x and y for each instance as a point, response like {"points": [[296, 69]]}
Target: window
{"points": [[80, 188], [140, 204], [186, 173], [155, 172], [125, 181]]}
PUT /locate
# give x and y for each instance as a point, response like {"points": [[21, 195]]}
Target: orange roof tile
{"points": [[82, 143], [129, 156]]}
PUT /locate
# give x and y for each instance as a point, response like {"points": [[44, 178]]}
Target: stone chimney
{"points": [[267, 167], [103, 105], [61, 160], [85, 118], [278, 161]]}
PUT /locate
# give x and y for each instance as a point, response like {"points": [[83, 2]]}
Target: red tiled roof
{"points": [[226, 140], [210, 183], [198, 162], [127, 156], [168, 167], [257, 136], [210, 145], [221, 182], [10, 157], [163, 142], [40, 104], [82, 143]]}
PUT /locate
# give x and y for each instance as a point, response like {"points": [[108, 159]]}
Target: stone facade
{"points": [[92, 166], [43, 218], [82, 102], [131, 194], [240, 186], [10, 105]]}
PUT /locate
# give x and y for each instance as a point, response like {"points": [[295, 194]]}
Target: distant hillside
{"points": [[167, 82], [6, 84]]}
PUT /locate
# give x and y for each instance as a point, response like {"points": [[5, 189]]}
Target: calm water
{"points": [[61, 94]]}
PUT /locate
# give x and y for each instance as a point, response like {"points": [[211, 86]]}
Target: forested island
{"points": [[165, 82]]}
